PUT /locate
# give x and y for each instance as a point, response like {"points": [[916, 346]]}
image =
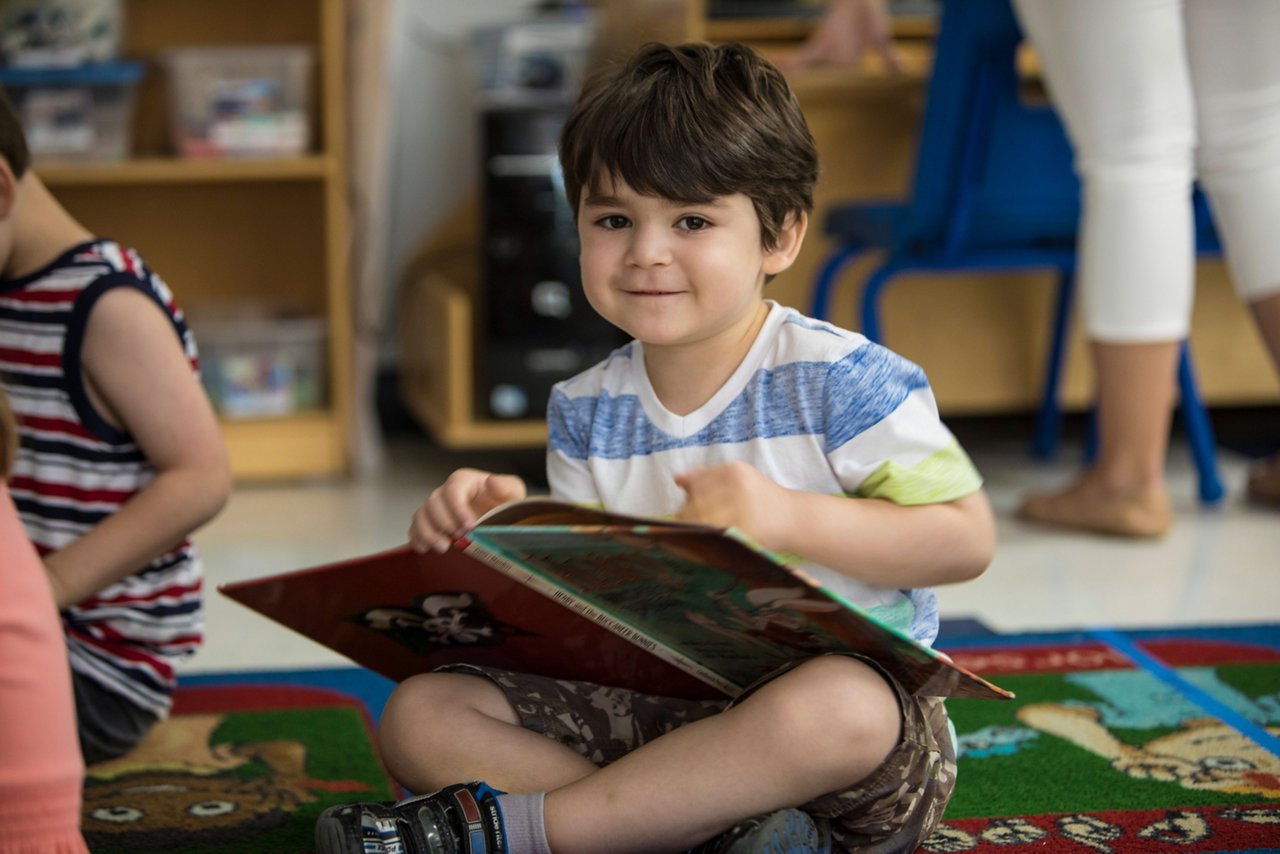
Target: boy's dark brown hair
{"points": [[13, 148], [13, 142], [691, 123], [8, 437]]}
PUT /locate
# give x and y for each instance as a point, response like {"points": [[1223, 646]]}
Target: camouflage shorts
{"points": [[893, 809]]}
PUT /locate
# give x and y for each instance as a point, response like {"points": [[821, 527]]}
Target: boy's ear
{"points": [[8, 189], [790, 238]]}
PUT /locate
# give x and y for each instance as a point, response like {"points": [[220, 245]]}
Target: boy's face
{"points": [[673, 273], [8, 198]]}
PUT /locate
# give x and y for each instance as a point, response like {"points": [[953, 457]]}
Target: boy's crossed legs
{"points": [[678, 772]]}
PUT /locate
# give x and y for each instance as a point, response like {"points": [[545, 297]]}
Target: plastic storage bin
{"points": [[59, 33], [75, 114], [262, 367], [240, 101]]}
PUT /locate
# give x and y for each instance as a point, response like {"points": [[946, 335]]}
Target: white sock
{"points": [[522, 822]]}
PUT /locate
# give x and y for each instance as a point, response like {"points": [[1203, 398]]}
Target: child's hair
{"points": [[692, 123], [13, 142], [13, 148], [8, 437]]}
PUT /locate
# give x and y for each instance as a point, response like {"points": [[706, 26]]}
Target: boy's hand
{"points": [[61, 595], [736, 495], [452, 508]]}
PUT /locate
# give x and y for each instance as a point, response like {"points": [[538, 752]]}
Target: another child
{"points": [[119, 452], [690, 172], [42, 770]]}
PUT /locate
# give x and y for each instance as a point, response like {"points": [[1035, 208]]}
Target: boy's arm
{"points": [[139, 378], [878, 542]]}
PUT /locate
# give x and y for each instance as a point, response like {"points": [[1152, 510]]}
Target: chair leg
{"points": [[1089, 452], [1048, 424], [871, 292], [820, 307], [1199, 430]]}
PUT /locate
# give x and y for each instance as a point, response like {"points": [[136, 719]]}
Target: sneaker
{"points": [[789, 831], [459, 819]]}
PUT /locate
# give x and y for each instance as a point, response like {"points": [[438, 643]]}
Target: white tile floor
{"points": [[1219, 565]]}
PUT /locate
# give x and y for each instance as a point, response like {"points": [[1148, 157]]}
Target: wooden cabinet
{"points": [[628, 24], [231, 232]]}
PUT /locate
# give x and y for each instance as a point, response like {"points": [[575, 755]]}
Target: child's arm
{"points": [[452, 508], [878, 542], [139, 378]]}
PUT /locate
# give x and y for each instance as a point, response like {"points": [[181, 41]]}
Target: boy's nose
{"points": [[648, 248]]}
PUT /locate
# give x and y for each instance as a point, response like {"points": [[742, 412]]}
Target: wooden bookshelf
{"points": [[239, 231]]}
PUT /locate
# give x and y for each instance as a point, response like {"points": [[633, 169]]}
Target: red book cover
{"points": [[399, 613], [563, 591]]}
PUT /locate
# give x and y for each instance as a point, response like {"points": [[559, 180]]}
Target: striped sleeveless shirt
{"points": [[74, 469]]}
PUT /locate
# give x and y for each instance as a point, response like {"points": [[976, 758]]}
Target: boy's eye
{"points": [[614, 221], [694, 223]]}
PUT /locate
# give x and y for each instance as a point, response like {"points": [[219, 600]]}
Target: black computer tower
{"points": [[534, 326]]}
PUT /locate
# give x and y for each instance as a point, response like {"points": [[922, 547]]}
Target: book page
{"points": [[713, 599], [543, 512]]}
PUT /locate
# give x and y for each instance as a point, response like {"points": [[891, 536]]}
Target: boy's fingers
{"points": [[435, 524], [686, 477], [503, 487], [450, 511], [422, 534], [431, 536], [450, 515]]}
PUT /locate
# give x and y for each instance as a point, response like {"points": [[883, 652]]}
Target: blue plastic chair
{"points": [[994, 191]]}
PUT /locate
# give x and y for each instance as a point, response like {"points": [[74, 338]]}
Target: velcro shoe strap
{"points": [[480, 820]]}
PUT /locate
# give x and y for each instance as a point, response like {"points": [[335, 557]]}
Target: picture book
{"points": [[546, 587]]}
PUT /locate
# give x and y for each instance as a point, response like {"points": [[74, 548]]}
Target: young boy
{"points": [[690, 172], [119, 452]]}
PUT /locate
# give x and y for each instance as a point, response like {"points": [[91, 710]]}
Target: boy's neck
{"points": [[684, 377], [42, 229]]}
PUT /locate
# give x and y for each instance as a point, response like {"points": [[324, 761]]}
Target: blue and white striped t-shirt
{"points": [[812, 406]]}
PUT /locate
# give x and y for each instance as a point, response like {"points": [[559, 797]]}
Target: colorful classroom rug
{"points": [[1145, 741], [244, 765]]}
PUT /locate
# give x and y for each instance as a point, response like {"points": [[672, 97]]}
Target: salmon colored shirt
{"points": [[41, 770]]}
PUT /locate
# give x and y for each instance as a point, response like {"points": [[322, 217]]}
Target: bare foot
{"points": [[849, 29], [1264, 481], [1089, 505]]}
